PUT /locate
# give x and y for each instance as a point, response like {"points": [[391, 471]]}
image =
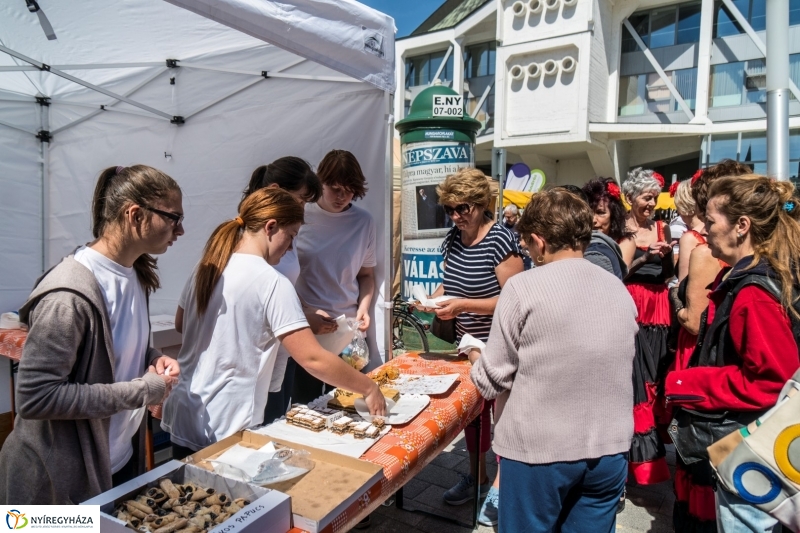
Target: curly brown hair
{"points": [[468, 185], [700, 186]]}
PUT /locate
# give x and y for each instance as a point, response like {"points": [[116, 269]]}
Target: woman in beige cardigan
{"points": [[559, 361]]}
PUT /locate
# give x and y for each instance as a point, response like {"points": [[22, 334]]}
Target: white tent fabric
{"points": [[235, 117]]}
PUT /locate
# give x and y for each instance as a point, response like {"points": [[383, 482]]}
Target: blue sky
{"points": [[407, 14]]}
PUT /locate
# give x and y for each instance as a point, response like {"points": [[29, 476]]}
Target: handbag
{"points": [[759, 462], [445, 329], [693, 432]]}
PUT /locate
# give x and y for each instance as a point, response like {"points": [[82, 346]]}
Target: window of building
{"points": [[479, 60], [751, 149], [754, 11], [665, 26], [479, 70], [648, 93], [745, 82], [421, 70]]}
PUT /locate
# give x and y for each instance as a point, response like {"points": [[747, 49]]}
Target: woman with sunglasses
{"points": [[479, 257], [87, 369]]}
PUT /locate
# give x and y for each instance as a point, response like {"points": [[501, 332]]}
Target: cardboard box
{"points": [[268, 512], [163, 332], [319, 496]]}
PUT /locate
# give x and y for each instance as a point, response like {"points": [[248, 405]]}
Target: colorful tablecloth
{"points": [[407, 449], [11, 342]]}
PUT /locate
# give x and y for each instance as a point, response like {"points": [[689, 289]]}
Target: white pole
{"points": [[777, 89]]}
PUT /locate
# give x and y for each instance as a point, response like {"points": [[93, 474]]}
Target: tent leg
{"points": [[45, 153], [387, 231]]}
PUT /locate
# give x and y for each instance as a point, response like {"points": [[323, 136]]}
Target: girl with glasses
{"points": [[87, 370]]}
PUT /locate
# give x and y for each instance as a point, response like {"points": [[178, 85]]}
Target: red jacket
{"points": [[761, 332]]}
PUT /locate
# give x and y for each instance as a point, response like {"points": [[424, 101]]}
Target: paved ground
{"points": [[648, 509]]}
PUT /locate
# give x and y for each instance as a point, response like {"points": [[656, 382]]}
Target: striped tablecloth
{"points": [[11, 342], [407, 449]]}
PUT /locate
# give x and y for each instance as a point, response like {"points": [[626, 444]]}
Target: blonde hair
{"points": [[684, 202], [774, 224], [468, 185], [254, 213]]}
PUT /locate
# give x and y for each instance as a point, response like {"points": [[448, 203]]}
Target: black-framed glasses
{"points": [[461, 209], [176, 218]]}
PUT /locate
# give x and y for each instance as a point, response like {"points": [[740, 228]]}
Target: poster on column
{"points": [[425, 224]]}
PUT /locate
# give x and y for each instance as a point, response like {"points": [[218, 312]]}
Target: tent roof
{"points": [[340, 34]]}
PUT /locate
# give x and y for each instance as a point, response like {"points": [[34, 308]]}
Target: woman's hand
{"points": [[376, 403], [450, 308], [320, 322], [659, 248], [474, 354], [363, 317], [167, 366]]}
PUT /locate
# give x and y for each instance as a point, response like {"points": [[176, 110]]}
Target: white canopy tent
{"points": [[205, 90]]}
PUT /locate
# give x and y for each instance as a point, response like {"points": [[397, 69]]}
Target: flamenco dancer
{"points": [[648, 254]]}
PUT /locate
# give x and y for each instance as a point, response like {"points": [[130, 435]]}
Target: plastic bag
{"points": [[270, 464], [356, 354]]}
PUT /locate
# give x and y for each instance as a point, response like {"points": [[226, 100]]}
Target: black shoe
{"points": [[621, 503], [364, 524]]}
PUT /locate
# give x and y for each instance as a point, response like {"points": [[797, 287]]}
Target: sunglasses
{"points": [[174, 217], [461, 209]]}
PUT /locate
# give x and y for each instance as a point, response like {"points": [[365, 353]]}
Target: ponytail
{"points": [[116, 189], [774, 215], [289, 173], [255, 212]]}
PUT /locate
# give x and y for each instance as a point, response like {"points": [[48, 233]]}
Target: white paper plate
{"points": [[413, 384], [402, 412]]}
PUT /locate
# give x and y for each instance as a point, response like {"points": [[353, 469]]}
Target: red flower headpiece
{"points": [[673, 189], [697, 175], [659, 178], [613, 190]]}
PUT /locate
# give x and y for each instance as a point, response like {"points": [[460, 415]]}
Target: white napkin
{"points": [[469, 342], [11, 321], [418, 294], [337, 341]]}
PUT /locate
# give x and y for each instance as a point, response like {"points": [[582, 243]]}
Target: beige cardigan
{"points": [[58, 452], [559, 361]]}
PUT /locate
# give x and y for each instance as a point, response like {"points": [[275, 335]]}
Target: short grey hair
{"points": [[511, 208], [640, 181]]}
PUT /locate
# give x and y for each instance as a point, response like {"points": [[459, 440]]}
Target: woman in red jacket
{"points": [[747, 349]]}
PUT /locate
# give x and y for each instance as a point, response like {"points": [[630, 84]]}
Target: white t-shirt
{"points": [[228, 352], [126, 305], [332, 248], [289, 266], [677, 227]]}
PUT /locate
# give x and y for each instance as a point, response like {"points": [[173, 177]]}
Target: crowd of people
{"points": [[603, 333], [591, 371]]}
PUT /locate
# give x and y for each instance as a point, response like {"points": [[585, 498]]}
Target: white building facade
{"points": [[583, 88]]}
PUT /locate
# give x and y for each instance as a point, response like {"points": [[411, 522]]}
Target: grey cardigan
{"points": [[58, 452]]}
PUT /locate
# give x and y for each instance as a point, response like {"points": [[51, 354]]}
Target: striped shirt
{"points": [[470, 273]]}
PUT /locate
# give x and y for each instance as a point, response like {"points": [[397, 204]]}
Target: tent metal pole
{"points": [[26, 68], [48, 68], [19, 68], [18, 100], [313, 78], [13, 127], [218, 100], [103, 107], [127, 93], [45, 152], [185, 64], [387, 230]]}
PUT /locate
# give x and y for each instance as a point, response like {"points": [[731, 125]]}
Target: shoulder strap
{"points": [[698, 236], [451, 238]]}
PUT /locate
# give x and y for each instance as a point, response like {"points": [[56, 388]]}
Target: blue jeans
{"points": [[569, 497], [734, 515]]}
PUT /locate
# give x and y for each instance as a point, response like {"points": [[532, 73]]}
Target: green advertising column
{"points": [[437, 139]]}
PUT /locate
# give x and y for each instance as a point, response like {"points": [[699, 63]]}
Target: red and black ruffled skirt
{"points": [[647, 459]]}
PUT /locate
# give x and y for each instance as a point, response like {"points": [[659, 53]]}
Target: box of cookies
{"points": [[177, 496]]}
